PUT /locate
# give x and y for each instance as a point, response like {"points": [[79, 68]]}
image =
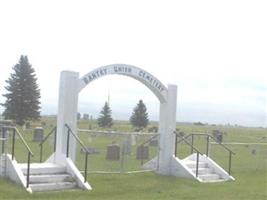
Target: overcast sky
{"points": [[214, 51]]}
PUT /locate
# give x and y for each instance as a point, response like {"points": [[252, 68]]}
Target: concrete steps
{"points": [[43, 168], [212, 177], [48, 177], [205, 172], [192, 164], [44, 187]]}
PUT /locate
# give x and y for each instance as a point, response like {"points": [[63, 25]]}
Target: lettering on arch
{"points": [[127, 70]]}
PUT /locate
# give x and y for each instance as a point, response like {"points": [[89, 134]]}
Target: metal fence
{"points": [[116, 152]]}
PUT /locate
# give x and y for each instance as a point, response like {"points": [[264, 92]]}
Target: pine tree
{"points": [[105, 119], [23, 95], [139, 116]]}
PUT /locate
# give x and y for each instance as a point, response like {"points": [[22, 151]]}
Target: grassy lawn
{"points": [[250, 186], [250, 170]]}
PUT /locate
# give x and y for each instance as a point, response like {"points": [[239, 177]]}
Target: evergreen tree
{"points": [[139, 116], [105, 119], [23, 95]]}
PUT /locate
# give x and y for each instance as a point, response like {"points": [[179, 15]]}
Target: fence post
{"points": [[28, 169], [192, 142], [175, 146], [230, 162], [122, 159], [41, 153], [55, 140], [142, 154], [68, 141], [197, 164], [207, 149], [13, 143], [3, 141], [85, 168]]}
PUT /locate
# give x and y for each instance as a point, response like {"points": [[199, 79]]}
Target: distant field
{"points": [[249, 167]]}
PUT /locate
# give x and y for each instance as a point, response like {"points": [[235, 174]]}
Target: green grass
{"points": [[151, 186], [250, 170]]}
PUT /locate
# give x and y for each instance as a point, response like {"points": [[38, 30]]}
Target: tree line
{"points": [[23, 104], [139, 118]]}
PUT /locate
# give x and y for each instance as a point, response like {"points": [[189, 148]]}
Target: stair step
{"points": [[50, 178], [53, 186], [209, 177], [43, 168], [203, 170], [192, 164], [214, 181]]}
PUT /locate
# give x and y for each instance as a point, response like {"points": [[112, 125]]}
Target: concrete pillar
{"points": [[167, 125], [67, 114]]}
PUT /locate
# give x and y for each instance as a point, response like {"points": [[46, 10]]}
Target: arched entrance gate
{"points": [[71, 85], [59, 171]]}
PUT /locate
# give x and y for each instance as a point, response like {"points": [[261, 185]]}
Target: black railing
{"points": [[142, 146], [3, 139], [207, 146], [229, 151], [188, 143], [182, 139], [83, 146], [54, 130], [30, 154]]}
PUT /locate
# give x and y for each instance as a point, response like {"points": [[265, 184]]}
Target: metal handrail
{"points": [[150, 139], [184, 139], [207, 147], [54, 130], [208, 135], [221, 144], [30, 153], [198, 152], [230, 154], [83, 146], [23, 141], [76, 137], [47, 136]]}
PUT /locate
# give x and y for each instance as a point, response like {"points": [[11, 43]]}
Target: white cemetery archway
{"points": [[165, 163], [71, 85]]}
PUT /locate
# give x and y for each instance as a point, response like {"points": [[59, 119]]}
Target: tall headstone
{"points": [[38, 134], [113, 152], [142, 152]]}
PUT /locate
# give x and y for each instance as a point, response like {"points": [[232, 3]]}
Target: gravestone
{"points": [[142, 152], [4, 132], [38, 134], [218, 135], [113, 152]]}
